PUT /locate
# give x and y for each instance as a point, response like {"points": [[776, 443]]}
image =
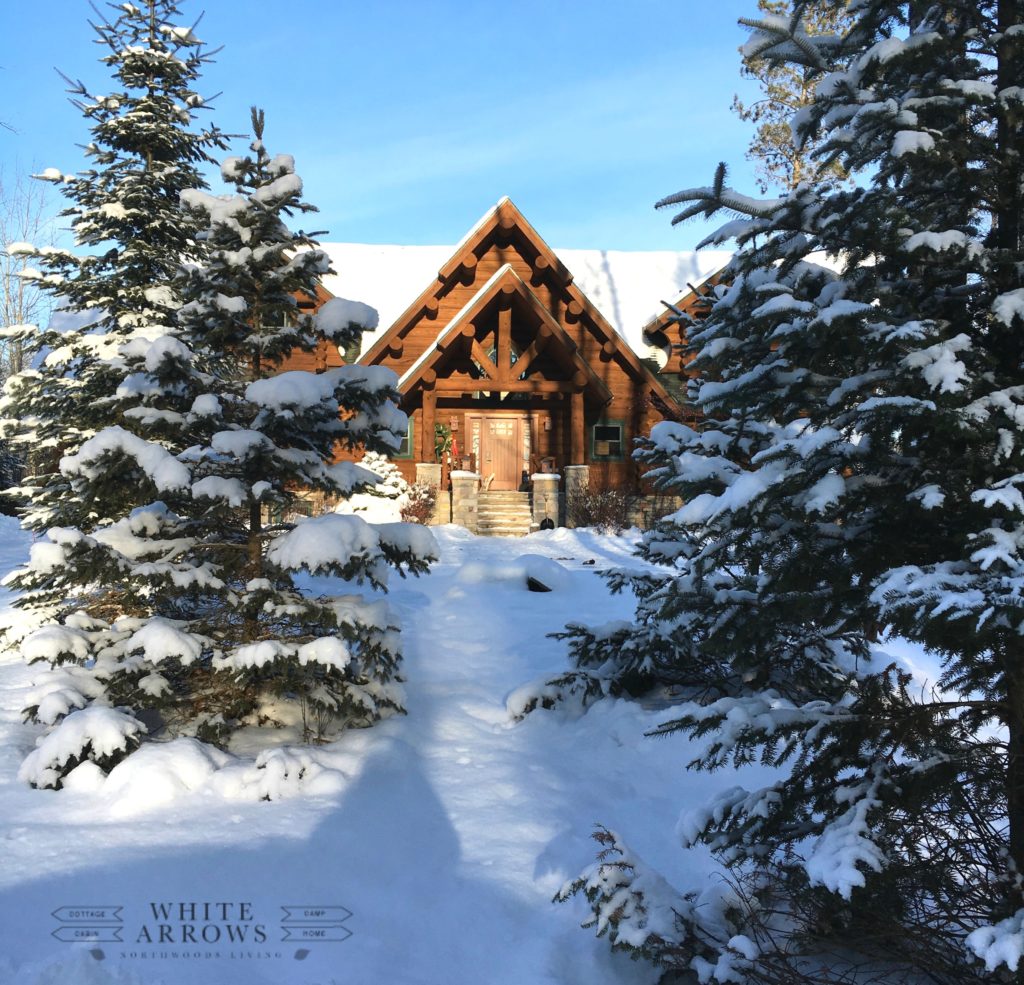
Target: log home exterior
{"points": [[669, 331], [508, 353]]}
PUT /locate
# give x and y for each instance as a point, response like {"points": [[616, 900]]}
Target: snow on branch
{"points": [[161, 467], [999, 944], [340, 318], [785, 39], [845, 847], [349, 546], [103, 735], [709, 199]]}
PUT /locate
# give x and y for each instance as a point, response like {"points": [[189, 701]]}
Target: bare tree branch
{"points": [[25, 216]]}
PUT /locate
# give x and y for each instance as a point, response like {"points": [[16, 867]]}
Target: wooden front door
{"points": [[501, 451]]}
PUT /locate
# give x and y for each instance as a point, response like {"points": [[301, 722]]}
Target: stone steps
{"points": [[504, 514]]}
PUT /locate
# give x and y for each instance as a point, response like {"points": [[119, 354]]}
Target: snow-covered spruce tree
{"points": [[383, 501], [183, 614], [392, 485], [858, 468], [124, 214]]}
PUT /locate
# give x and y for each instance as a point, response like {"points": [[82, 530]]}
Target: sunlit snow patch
{"points": [[524, 569]]}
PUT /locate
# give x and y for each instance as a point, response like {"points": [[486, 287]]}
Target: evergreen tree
{"points": [[124, 211], [392, 484], [179, 614], [787, 89], [858, 469]]}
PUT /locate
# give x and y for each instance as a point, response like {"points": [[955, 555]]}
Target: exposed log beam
{"points": [[573, 311], [507, 386], [484, 360], [467, 271], [504, 360], [535, 348], [430, 307], [607, 351], [395, 348], [540, 266], [577, 431], [427, 429], [443, 345]]}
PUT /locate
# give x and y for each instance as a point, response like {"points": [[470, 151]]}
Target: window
{"points": [[406, 447], [608, 441]]}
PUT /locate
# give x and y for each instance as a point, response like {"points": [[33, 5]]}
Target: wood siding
{"points": [[580, 373]]}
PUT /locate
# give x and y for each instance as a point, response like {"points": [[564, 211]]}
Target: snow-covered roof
{"points": [[627, 287]]}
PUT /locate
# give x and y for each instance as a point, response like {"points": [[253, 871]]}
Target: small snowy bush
{"points": [[420, 501], [609, 510], [392, 484], [383, 501]]}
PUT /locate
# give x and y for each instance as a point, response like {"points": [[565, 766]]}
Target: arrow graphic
{"points": [[321, 932], [315, 914], [88, 914], [81, 933]]}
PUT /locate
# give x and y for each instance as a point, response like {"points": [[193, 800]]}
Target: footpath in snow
{"points": [[444, 832]]}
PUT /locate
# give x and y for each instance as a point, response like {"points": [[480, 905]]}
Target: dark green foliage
{"points": [[124, 211], [163, 591], [857, 471]]}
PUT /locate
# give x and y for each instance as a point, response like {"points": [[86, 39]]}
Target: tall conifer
{"points": [[166, 579], [130, 237], [858, 469]]}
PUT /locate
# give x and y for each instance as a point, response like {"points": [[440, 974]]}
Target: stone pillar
{"points": [[577, 480], [465, 500], [545, 498], [428, 474]]}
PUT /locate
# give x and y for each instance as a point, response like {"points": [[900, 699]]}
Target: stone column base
{"points": [[428, 474], [465, 500], [545, 498], [577, 480]]}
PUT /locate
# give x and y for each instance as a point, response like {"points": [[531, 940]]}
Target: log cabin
{"points": [[504, 350], [668, 333]]}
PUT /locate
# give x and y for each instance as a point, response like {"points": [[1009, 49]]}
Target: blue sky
{"points": [[409, 118]]}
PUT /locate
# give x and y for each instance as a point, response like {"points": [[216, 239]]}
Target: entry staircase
{"points": [[504, 514]]}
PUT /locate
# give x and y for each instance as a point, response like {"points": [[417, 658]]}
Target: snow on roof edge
{"points": [[452, 325], [627, 287]]}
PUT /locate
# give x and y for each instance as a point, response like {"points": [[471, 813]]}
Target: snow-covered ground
{"points": [[444, 832]]}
